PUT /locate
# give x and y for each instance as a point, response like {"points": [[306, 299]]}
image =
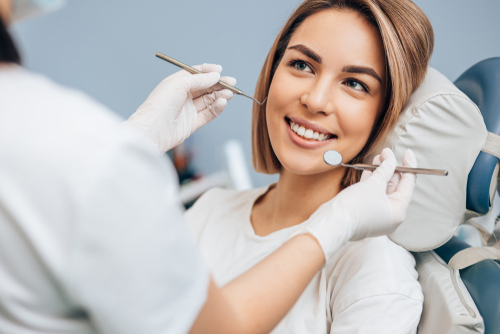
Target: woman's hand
{"points": [[373, 207], [181, 104]]}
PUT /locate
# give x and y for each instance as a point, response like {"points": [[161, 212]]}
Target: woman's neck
{"points": [[294, 200]]}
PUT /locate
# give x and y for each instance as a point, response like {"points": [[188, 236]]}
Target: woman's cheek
{"points": [[280, 98], [284, 88], [356, 121], [273, 118]]}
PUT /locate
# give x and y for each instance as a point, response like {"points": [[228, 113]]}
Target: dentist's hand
{"points": [[180, 104], [373, 207]]}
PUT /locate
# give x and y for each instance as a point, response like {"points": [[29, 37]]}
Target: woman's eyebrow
{"points": [[308, 52], [361, 69]]}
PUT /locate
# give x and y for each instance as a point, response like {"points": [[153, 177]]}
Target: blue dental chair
{"points": [[481, 83]]}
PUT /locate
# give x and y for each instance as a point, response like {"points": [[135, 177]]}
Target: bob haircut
{"points": [[408, 41]]}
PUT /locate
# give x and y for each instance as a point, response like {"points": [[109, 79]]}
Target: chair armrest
{"points": [[482, 281]]}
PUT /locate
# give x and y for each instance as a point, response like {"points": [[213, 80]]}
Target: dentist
{"points": [[92, 238]]}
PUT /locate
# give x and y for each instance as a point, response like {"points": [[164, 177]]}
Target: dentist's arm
{"points": [[257, 300], [181, 104]]}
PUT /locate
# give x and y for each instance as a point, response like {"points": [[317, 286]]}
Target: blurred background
{"points": [[107, 48]]}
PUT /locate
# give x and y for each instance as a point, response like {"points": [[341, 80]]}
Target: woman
{"points": [[337, 76]]}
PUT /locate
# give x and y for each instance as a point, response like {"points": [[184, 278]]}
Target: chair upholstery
{"points": [[481, 83], [445, 130], [482, 281], [448, 305]]}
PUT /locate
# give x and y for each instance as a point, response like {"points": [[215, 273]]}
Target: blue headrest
{"points": [[481, 83]]}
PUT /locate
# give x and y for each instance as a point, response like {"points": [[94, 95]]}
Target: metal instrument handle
{"points": [[438, 172], [193, 70]]}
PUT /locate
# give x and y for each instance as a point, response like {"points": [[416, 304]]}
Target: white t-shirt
{"points": [[368, 286], [92, 238]]}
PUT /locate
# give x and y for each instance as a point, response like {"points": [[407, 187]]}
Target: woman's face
{"points": [[327, 92]]}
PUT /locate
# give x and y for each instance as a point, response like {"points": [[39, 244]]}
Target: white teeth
{"points": [[307, 133], [301, 131]]}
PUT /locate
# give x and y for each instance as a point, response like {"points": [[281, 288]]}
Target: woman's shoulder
{"points": [[377, 252], [371, 267]]}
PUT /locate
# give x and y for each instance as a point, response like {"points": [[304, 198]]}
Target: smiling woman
{"points": [[336, 78], [398, 33]]}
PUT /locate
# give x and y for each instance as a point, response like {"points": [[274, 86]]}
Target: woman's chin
{"points": [[305, 167]]}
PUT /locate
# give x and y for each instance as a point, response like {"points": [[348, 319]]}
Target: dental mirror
{"points": [[334, 159]]}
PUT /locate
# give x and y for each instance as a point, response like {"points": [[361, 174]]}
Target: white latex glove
{"points": [[181, 104], [373, 207]]}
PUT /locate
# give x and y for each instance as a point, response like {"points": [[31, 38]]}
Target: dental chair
{"points": [[461, 284], [481, 83], [454, 127]]}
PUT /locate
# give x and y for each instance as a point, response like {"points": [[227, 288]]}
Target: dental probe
{"points": [[334, 158], [195, 71]]}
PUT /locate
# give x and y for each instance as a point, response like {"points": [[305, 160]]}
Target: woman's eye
{"points": [[302, 66], [356, 85]]}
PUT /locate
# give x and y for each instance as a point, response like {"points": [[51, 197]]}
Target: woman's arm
{"points": [[257, 300], [379, 314]]}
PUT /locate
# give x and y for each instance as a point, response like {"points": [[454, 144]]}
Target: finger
{"points": [[229, 80], [365, 175], [408, 180], [393, 183], [225, 93], [209, 113], [207, 68], [196, 82], [206, 100], [409, 159], [387, 153], [385, 171]]}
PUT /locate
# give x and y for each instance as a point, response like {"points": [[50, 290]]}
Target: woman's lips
{"points": [[309, 125], [303, 142]]}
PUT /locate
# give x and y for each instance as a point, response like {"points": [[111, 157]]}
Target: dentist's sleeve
{"points": [[134, 266]]}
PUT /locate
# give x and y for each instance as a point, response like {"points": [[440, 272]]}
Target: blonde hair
{"points": [[408, 40]]}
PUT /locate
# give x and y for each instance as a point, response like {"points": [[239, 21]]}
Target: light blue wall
{"points": [[106, 48]]}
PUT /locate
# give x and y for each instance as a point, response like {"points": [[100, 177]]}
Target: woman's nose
{"points": [[319, 98]]}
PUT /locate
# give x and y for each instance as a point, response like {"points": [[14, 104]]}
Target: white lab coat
{"points": [[91, 231]]}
